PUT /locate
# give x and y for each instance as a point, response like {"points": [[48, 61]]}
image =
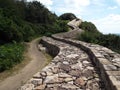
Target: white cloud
{"points": [[47, 3], [108, 24], [118, 1], [77, 3], [98, 2], [112, 8], [73, 6]]}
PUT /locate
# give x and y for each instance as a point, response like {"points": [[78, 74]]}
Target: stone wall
{"points": [[71, 69], [70, 54], [71, 34], [51, 49], [107, 61], [58, 74]]}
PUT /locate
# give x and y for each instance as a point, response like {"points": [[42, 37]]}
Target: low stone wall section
{"points": [[107, 61], [52, 49], [71, 34], [71, 69]]}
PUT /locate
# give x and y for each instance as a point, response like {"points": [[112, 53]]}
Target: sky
{"points": [[105, 14]]}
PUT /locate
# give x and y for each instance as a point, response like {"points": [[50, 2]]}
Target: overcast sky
{"points": [[105, 14]]}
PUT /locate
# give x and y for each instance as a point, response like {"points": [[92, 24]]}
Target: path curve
{"points": [[71, 69], [36, 64]]}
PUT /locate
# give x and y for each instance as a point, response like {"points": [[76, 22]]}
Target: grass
{"points": [[17, 67], [48, 57], [15, 70]]}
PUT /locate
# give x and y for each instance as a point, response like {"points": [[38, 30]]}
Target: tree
{"points": [[37, 13], [67, 16], [88, 26]]}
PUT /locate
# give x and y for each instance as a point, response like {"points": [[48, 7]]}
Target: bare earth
{"points": [[36, 64]]}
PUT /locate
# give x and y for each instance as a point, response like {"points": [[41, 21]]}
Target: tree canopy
{"points": [[88, 26], [67, 16], [21, 20]]}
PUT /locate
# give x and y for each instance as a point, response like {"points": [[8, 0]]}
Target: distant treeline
{"points": [[20, 20], [92, 35]]}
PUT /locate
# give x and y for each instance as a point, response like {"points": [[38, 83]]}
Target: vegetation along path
{"points": [[37, 63]]}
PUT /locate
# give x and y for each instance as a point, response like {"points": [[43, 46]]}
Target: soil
{"points": [[37, 62]]}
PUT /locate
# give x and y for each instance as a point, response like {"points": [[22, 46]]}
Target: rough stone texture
{"points": [[103, 58], [71, 34], [75, 22], [77, 66], [74, 31], [71, 69]]}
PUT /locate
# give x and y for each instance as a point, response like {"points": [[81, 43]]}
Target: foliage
{"points": [[111, 41], [67, 16], [88, 26], [89, 37], [10, 54], [9, 30], [21, 21], [37, 13]]}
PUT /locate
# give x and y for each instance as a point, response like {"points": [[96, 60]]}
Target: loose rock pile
{"points": [[71, 69]]}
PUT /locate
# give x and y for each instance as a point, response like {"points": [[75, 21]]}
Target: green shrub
{"points": [[22, 21], [28, 32], [88, 26], [89, 37], [110, 41], [10, 55], [63, 25], [92, 35], [9, 31], [67, 16]]}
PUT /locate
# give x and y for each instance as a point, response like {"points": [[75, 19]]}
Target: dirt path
{"points": [[37, 63]]}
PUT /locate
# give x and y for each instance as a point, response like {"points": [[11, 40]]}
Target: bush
{"points": [[10, 55], [92, 35], [88, 26], [28, 32], [110, 41], [63, 25], [22, 21], [9, 31], [67, 16]]}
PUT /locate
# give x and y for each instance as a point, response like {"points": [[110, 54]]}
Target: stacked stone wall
{"points": [[107, 61], [71, 69], [53, 50], [58, 76]]}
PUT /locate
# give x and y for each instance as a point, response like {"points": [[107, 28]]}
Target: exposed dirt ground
{"points": [[36, 64]]}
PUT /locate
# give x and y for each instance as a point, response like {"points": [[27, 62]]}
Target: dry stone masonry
{"points": [[71, 69], [107, 61], [76, 66]]}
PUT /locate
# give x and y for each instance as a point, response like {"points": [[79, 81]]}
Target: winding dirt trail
{"points": [[36, 64]]}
